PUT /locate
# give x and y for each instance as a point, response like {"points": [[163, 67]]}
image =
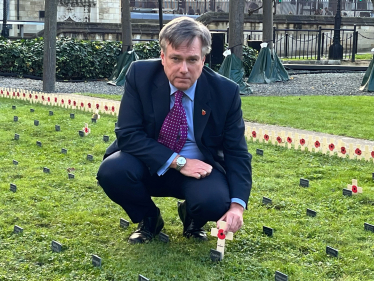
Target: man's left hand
{"points": [[233, 218]]}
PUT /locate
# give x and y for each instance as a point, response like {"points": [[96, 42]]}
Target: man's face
{"points": [[183, 65]]}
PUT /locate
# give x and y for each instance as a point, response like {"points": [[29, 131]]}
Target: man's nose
{"points": [[184, 68]]}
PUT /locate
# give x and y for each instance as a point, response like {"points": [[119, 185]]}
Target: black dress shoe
{"points": [[147, 229], [191, 228]]}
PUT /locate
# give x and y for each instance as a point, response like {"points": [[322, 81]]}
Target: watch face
{"points": [[181, 161]]}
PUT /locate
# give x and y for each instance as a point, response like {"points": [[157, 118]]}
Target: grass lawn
{"points": [[78, 214]]}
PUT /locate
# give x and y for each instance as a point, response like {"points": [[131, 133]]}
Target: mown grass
{"points": [[78, 214]]}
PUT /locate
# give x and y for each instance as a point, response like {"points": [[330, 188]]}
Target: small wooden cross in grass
{"points": [[354, 187], [221, 236]]}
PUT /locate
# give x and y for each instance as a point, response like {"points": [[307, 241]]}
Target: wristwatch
{"points": [[181, 161]]}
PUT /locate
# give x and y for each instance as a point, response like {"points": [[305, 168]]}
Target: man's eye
{"points": [[193, 60], [175, 59]]}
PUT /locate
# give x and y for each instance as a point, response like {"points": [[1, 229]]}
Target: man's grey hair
{"points": [[185, 29]]}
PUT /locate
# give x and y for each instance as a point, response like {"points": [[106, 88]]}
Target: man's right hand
{"points": [[194, 168]]}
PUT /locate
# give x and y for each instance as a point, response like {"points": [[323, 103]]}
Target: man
{"points": [[180, 133], [190, 11]]}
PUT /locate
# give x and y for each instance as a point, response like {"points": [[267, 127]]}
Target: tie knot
{"points": [[178, 96]]}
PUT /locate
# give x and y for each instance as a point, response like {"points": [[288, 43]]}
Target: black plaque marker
{"points": [[14, 107], [368, 227], [50, 113], [89, 157], [215, 255], [372, 176], [57, 128], [163, 237], [347, 192], [142, 278], [311, 213], [81, 133], [15, 118], [279, 276], [93, 120], [106, 138], [13, 187], [46, 170], [96, 261], [17, 229], [304, 182], [331, 251], [122, 222], [70, 176], [259, 152], [268, 231], [16, 136], [15, 162], [266, 201], [32, 110], [64, 150], [38, 143], [36, 122], [72, 115], [56, 247]]}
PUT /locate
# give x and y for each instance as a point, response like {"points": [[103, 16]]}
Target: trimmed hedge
{"points": [[78, 59]]}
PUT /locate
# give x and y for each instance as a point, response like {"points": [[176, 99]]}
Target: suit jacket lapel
{"points": [[201, 108]]}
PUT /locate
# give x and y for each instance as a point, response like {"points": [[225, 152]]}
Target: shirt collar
{"points": [[190, 92]]}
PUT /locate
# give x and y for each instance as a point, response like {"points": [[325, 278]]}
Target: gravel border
{"points": [[299, 85]]}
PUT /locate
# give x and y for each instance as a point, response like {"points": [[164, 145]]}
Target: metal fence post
{"points": [[274, 38], [319, 43], [286, 46], [354, 47]]}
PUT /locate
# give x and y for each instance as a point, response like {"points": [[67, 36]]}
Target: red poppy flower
{"points": [[62, 101], [254, 134], [289, 140], [358, 151], [17, 94], [343, 150], [49, 99], [1, 91], [97, 106], [106, 108], [266, 137], [331, 146], [354, 189], [302, 141], [113, 109], [69, 102], [74, 103], [86, 130], [30, 96], [372, 154], [36, 97], [220, 234], [279, 140], [55, 99], [14, 94], [82, 104], [89, 105], [42, 97], [24, 95]]}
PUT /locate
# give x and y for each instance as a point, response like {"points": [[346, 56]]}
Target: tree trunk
{"points": [[267, 26], [126, 26], [49, 58], [236, 23]]}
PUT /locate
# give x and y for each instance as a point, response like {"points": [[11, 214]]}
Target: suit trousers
{"points": [[127, 181]]}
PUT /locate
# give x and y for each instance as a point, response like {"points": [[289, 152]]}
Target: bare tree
{"points": [[126, 26]]}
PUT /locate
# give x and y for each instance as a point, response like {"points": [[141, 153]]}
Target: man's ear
{"points": [[203, 60], [162, 55]]}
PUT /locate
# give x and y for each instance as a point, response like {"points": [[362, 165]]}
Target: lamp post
{"points": [[5, 31], [336, 49]]}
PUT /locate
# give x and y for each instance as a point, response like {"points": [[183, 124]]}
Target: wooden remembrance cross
{"points": [[354, 187], [221, 236]]}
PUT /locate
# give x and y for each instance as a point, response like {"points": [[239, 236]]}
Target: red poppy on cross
{"points": [[221, 236], [354, 187]]}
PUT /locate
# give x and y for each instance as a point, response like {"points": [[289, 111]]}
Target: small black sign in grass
{"points": [[89, 157], [56, 247], [331, 251], [215, 255], [17, 229], [57, 128], [14, 107], [72, 115], [266, 201], [142, 278], [36, 122], [311, 213], [81, 133], [15, 118], [259, 152], [163, 237], [93, 120], [347, 192], [372, 176], [70, 176], [15, 162], [368, 227], [32, 110], [50, 113], [38, 143], [16, 136], [96, 261], [106, 138], [46, 170], [268, 231], [279, 276], [123, 223], [64, 151], [13, 187], [304, 182]]}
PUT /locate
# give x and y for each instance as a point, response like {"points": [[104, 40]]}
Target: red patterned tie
{"points": [[173, 132]]}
